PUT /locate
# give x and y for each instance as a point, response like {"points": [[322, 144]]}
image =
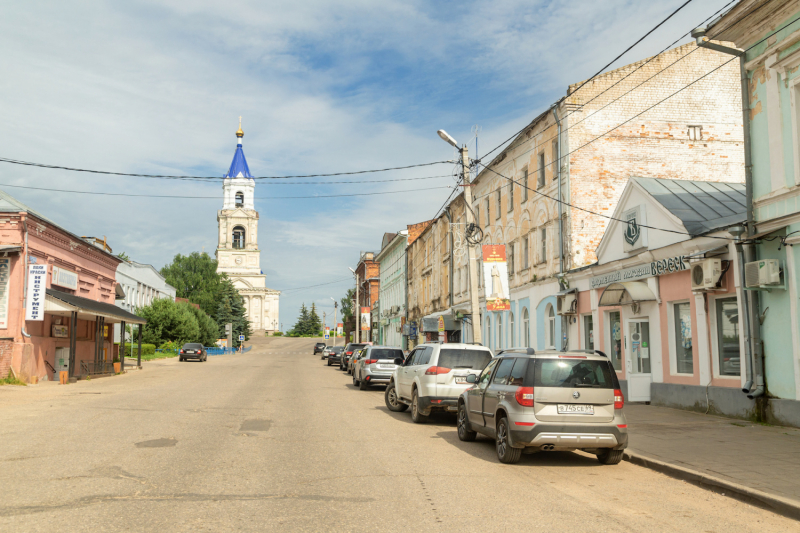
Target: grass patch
{"points": [[11, 380], [157, 355]]}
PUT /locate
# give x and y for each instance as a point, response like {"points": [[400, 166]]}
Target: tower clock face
{"points": [[238, 260]]}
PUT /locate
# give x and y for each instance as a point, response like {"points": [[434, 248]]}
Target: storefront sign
{"points": [[65, 278], [440, 325], [655, 268], [495, 277], [5, 274], [365, 322], [60, 331], [37, 282]]}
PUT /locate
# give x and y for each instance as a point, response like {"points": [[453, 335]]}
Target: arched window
{"points": [[526, 330], [511, 339], [551, 327], [240, 199], [488, 332], [238, 237], [499, 344]]}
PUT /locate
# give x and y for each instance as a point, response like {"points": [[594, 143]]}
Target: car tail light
{"points": [[619, 399], [435, 370], [370, 361], [181, 351], [367, 378], [348, 353], [524, 396]]}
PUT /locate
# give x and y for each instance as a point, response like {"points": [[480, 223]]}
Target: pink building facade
{"points": [[76, 300], [663, 300]]}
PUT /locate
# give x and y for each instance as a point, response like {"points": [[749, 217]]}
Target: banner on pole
{"points": [[339, 328], [365, 322], [495, 277], [37, 281]]}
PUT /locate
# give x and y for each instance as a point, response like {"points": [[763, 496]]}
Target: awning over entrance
{"points": [[430, 323], [626, 293], [64, 304]]}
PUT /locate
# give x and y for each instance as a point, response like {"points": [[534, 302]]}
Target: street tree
{"points": [[169, 321], [347, 305], [230, 309], [195, 278]]}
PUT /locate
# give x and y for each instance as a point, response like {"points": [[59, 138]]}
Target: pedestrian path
{"points": [[752, 456]]}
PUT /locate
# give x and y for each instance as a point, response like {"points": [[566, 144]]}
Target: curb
{"points": [[778, 504]]}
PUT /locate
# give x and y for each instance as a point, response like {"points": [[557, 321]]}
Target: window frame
{"points": [[526, 255], [499, 331], [673, 338], [556, 170], [585, 332], [550, 327], [526, 327], [541, 180], [503, 360], [511, 329], [510, 259], [511, 196], [714, 334], [244, 237], [524, 182], [499, 202], [543, 244]]}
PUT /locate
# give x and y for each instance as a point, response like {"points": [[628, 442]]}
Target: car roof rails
{"points": [[590, 352], [528, 351]]}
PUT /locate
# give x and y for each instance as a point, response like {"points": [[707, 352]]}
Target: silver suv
{"points": [[544, 401], [433, 376], [375, 365]]}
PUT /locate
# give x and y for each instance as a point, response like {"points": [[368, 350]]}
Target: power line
{"points": [[318, 285], [167, 176], [217, 197]]}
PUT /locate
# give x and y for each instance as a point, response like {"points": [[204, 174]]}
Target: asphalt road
{"points": [[274, 440]]}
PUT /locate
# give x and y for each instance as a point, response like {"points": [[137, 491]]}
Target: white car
{"points": [[433, 376]]}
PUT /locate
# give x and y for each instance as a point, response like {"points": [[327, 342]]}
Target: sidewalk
{"points": [[751, 460]]}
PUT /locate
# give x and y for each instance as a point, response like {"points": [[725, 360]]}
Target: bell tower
{"points": [[237, 252]]}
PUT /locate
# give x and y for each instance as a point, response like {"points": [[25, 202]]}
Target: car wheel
{"points": [[416, 416], [392, 402], [610, 457], [505, 452], [465, 432], [362, 385], [355, 381], [329, 362]]}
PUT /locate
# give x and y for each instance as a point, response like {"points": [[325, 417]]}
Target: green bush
{"points": [[277, 334], [147, 349], [170, 346]]}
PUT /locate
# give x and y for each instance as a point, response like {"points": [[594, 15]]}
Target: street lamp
{"points": [[335, 305], [473, 278]]}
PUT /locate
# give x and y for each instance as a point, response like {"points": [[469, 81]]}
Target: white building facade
{"points": [[392, 300], [141, 284]]}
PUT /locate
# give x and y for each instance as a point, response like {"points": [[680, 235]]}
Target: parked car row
{"points": [[527, 401]]}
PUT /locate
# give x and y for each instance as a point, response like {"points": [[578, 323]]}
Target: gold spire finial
{"points": [[239, 132]]}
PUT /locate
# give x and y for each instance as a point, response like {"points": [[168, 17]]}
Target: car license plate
{"points": [[461, 379], [575, 409]]}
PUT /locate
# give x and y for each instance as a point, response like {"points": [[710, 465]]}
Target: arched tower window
{"points": [[240, 199], [238, 237]]}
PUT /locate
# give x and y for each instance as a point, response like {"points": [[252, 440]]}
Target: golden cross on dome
{"points": [[240, 133]]}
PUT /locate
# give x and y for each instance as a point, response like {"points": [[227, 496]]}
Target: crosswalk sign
{"points": [[241, 337]]}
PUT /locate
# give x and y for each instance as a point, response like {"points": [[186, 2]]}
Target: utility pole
{"points": [[335, 325], [471, 258], [357, 312]]}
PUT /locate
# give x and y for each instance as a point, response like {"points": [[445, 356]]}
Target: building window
{"points": [[525, 252], [499, 344], [499, 203], [525, 185], [238, 237], [487, 212], [526, 330], [511, 196], [511, 259], [239, 199], [551, 327], [489, 330], [540, 182], [695, 133], [588, 332], [728, 336], [543, 247], [478, 215], [511, 332], [556, 162], [684, 363], [615, 335]]}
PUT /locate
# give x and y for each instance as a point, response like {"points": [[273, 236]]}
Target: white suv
{"points": [[433, 376]]}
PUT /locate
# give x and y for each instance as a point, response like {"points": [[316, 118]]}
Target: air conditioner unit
{"points": [[567, 304], [764, 272], [398, 329], [706, 274], [395, 309]]}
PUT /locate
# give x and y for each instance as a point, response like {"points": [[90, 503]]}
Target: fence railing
{"points": [[90, 368]]}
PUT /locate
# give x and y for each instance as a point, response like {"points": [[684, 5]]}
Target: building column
{"points": [[703, 350]]}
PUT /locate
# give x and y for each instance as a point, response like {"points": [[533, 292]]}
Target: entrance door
{"points": [[638, 364], [62, 361]]}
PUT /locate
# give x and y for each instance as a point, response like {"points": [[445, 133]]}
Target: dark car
{"points": [[348, 353], [319, 347], [335, 355], [193, 350]]}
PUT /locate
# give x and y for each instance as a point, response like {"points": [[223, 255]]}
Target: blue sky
{"points": [[334, 86]]}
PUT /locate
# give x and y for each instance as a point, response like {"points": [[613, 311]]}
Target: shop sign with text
{"points": [[655, 268]]}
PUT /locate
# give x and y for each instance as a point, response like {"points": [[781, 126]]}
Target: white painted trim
{"points": [[671, 336], [704, 358], [775, 126], [790, 278], [712, 305], [793, 89], [739, 298]]}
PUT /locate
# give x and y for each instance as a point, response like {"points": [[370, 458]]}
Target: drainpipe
{"points": [[557, 168], [753, 349], [450, 237], [25, 280]]}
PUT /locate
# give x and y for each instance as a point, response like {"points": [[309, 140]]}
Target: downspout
{"points": [[557, 168], [25, 281], [747, 252], [450, 237]]}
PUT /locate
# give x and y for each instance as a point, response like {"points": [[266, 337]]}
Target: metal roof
{"points": [[239, 168], [93, 307], [702, 206]]}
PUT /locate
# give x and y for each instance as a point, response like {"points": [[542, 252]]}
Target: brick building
{"points": [[368, 279]]}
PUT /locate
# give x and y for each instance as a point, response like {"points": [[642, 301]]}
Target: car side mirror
{"points": [[472, 378], [399, 361]]}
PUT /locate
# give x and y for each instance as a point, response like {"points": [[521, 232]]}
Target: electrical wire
{"points": [[322, 196], [318, 285]]}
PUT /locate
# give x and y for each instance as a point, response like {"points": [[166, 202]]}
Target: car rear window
{"points": [[464, 358], [336, 349], [385, 353], [574, 373], [193, 346], [355, 346]]}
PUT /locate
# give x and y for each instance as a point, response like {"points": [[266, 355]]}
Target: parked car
{"points": [[348, 351], [352, 359], [376, 365], [546, 401], [319, 347], [335, 355], [325, 353], [193, 350], [433, 376]]}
